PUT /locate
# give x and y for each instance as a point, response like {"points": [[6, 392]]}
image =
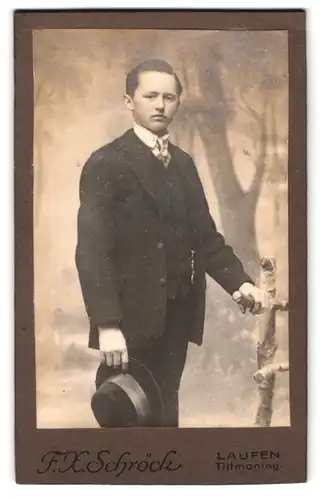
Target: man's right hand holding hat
{"points": [[113, 348]]}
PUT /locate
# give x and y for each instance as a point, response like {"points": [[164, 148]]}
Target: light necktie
{"points": [[161, 152]]}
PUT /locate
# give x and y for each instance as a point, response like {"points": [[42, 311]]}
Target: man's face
{"points": [[155, 101]]}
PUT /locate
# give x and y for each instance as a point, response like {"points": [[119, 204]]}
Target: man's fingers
{"points": [[125, 360], [103, 356], [116, 358], [256, 301], [109, 358], [257, 308]]}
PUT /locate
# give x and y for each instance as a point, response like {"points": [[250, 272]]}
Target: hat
{"points": [[131, 399]]}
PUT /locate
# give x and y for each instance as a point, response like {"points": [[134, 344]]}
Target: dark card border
{"points": [[196, 448]]}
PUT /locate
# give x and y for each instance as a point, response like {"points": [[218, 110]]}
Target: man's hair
{"points": [[132, 80]]}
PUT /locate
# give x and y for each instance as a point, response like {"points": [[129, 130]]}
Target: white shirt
{"points": [[153, 141]]}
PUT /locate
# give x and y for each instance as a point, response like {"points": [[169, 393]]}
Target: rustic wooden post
{"points": [[267, 344]]}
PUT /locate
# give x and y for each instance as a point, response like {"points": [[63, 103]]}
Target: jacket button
{"points": [[160, 245], [163, 281]]}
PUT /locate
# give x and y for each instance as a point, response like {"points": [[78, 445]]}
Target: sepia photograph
{"points": [[160, 228]]}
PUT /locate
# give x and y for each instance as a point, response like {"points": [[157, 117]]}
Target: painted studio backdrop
{"points": [[234, 122]]}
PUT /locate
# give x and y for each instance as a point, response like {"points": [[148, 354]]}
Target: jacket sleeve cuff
{"points": [[110, 324]]}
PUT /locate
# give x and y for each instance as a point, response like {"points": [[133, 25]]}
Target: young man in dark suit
{"points": [[146, 240]]}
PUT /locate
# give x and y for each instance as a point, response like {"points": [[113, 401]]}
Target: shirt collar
{"points": [[148, 137]]}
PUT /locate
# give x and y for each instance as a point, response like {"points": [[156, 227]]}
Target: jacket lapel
{"points": [[140, 159]]}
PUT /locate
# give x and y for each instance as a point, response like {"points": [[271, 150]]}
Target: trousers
{"points": [[166, 358]]}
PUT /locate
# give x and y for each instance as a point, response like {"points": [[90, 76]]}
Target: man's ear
{"points": [[128, 102]]}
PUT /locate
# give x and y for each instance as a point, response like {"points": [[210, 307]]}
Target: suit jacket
{"points": [[120, 254]]}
